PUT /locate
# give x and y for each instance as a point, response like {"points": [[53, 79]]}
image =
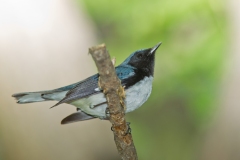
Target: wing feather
{"points": [[89, 86]]}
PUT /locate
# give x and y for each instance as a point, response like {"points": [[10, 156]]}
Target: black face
{"points": [[143, 60]]}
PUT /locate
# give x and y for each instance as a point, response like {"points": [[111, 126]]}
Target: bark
{"points": [[114, 93]]}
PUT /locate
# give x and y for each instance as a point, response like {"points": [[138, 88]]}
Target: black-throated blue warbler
{"points": [[135, 73]]}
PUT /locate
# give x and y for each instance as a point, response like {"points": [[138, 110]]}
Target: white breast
{"points": [[138, 94], [135, 97]]}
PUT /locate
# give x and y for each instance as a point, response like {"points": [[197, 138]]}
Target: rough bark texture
{"points": [[114, 93]]}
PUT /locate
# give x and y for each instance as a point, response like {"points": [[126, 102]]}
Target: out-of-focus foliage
{"points": [[1, 149], [188, 67]]}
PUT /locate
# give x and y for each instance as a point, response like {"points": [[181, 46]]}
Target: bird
{"points": [[136, 74]]}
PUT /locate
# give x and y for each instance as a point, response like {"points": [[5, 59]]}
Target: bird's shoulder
{"points": [[125, 71]]}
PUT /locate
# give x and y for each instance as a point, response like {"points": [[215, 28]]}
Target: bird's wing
{"points": [[85, 88], [89, 86]]}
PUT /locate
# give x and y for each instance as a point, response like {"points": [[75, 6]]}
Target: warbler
{"points": [[136, 75]]}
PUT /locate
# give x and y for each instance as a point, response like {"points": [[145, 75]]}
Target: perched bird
{"points": [[135, 73]]}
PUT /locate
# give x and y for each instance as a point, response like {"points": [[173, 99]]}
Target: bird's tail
{"points": [[30, 97]]}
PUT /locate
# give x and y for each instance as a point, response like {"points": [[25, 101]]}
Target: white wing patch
{"points": [[97, 89]]}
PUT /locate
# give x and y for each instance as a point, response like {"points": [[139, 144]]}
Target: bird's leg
{"points": [[96, 105], [107, 112]]}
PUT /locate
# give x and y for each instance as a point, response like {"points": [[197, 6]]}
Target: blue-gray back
{"points": [[89, 86]]}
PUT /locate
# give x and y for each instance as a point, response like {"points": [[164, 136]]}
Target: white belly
{"points": [[135, 97]]}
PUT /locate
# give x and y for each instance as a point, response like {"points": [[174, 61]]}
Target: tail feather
{"points": [[30, 97], [77, 116]]}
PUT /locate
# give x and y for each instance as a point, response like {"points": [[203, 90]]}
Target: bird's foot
{"points": [[107, 112], [128, 131]]}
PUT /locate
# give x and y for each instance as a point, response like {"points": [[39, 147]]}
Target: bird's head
{"points": [[143, 59]]}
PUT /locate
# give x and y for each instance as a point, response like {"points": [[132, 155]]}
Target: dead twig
{"points": [[114, 93]]}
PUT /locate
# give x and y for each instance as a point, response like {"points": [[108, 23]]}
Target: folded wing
{"points": [[89, 86]]}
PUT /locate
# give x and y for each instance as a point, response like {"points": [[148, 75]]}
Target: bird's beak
{"points": [[153, 49]]}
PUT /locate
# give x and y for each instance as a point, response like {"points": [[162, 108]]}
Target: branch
{"points": [[114, 92]]}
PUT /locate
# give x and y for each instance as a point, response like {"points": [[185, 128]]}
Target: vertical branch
{"points": [[114, 93]]}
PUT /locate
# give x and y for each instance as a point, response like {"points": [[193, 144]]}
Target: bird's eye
{"points": [[139, 55]]}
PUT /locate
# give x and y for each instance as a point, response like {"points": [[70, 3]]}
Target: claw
{"points": [[112, 128], [107, 112], [129, 130]]}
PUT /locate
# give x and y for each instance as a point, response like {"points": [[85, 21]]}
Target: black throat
{"points": [[139, 75]]}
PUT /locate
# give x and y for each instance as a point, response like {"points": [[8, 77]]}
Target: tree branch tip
{"points": [[98, 47]]}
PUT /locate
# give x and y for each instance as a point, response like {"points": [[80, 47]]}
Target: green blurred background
{"points": [[45, 51], [188, 67]]}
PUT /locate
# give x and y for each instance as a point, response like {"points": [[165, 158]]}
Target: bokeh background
{"points": [[193, 111]]}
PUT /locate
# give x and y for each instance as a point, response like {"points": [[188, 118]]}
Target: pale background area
{"points": [[222, 141], [44, 45]]}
